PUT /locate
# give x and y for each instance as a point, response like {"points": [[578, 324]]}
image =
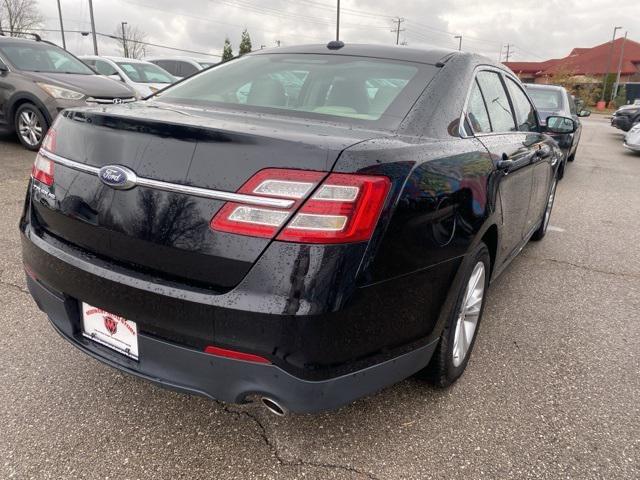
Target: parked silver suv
{"points": [[39, 79]]}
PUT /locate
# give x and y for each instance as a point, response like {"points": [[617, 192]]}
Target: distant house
{"points": [[586, 65]]}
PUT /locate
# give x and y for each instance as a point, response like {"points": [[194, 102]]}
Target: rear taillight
{"points": [[43, 170], [43, 167], [343, 208]]}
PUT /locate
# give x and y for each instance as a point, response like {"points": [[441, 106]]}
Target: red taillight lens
{"points": [[344, 208], [264, 221], [43, 167], [42, 170], [223, 352]]}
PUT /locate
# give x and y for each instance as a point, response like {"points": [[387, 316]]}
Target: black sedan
{"points": [[237, 239], [626, 116], [555, 100]]}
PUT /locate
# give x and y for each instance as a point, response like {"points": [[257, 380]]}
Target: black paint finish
{"points": [[316, 311]]}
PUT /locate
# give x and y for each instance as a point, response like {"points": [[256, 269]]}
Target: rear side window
{"points": [[477, 114], [572, 105], [525, 113], [497, 102]]}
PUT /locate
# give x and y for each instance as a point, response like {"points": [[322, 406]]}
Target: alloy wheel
{"points": [[469, 314], [30, 128]]}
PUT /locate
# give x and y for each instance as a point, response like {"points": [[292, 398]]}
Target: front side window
{"points": [[477, 114], [525, 113], [41, 57], [145, 72], [312, 85], [497, 102]]}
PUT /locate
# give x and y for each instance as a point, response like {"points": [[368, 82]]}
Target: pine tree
{"points": [[227, 51], [245, 43]]}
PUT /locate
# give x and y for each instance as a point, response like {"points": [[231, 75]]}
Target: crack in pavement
{"points": [[295, 462], [13, 286], [582, 267]]}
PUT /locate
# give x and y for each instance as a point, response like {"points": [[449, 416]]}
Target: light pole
{"points": [[606, 72], [614, 94], [64, 44], [93, 28], [338, 22], [459, 37], [124, 41]]}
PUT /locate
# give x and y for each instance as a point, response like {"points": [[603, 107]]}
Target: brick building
{"points": [[586, 65]]}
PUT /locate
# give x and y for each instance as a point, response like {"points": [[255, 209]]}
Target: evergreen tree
{"points": [[227, 51], [245, 43]]}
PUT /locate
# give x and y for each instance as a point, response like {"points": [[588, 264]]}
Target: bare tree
{"points": [[131, 45], [18, 16]]}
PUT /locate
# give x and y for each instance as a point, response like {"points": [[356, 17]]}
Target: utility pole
{"points": [[64, 44], [606, 73], [338, 22], [93, 28], [459, 37], [509, 51], [615, 88], [397, 29], [124, 41]]}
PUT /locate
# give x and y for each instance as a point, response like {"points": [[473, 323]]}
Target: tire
{"points": [[561, 168], [30, 126], [542, 230], [571, 158], [449, 360]]}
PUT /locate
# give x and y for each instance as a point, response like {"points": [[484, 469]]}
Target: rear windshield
{"points": [[346, 88], [546, 99], [44, 58], [145, 72]]}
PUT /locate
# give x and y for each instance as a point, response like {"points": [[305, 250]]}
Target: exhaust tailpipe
{"points": [[273, 406]]}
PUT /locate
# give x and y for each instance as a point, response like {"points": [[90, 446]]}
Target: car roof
{"points": [[24, 41], [179, 57], [431, 55], [557, 88]]}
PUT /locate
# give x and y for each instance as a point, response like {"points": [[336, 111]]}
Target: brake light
{"points": [[43, 170], [264, 221], [344, 208], [43, 167]]}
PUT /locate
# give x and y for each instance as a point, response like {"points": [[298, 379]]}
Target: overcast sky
{"points": [[537, 29]]}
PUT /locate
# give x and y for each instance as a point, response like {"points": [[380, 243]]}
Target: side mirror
{"points": [[560, 124], [3, 67], [116, 76], [584, 113]]}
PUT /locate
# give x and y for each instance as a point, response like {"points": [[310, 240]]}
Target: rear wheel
{"points": [[546, 216], [30, 125], [459, 334]]}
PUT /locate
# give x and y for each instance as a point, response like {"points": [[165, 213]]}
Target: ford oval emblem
{"points": [[118, 177]]}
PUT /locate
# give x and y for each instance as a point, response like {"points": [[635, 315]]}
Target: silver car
{"points": [[632, 138]]}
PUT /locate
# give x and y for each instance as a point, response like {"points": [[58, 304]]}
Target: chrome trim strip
{"points": [[69, 163], [177, 188]]}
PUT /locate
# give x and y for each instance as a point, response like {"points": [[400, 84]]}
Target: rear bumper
{"points": [[234, 381]]}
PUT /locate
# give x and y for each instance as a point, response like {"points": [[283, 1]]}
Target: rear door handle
{"points": [[505, 164]]}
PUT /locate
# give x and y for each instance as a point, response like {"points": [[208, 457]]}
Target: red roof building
{"points": [[590, 63]]}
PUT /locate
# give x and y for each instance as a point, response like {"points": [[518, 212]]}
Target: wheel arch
{"points": [[20, 99]]}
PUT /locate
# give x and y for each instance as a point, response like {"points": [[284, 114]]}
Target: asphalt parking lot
{"points": [[552, 390]]}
